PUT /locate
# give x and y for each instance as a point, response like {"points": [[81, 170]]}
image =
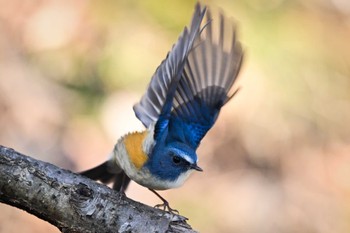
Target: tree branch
{"points": [[74, 203]]}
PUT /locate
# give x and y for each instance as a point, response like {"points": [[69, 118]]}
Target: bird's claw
{"points": [[166, 207]]}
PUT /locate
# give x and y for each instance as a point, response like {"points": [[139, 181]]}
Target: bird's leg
{"points": [[124, 185], [121, 183], [121, 188], [165, 205]]}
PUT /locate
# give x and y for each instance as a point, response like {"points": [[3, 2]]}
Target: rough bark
{"points": [[74, 203]]}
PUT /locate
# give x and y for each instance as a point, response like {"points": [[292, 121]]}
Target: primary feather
{"points": [[164, 81]]}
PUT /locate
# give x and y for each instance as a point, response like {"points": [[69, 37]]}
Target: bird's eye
{"points": [[176, 159]]}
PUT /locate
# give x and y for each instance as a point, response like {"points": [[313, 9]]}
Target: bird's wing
{"points": [[160, 92], [205, 86]]}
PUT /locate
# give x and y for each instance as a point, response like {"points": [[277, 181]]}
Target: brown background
{"points": [[276, 161]]}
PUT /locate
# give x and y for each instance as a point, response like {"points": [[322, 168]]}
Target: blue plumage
{"points": [[167, 169]]}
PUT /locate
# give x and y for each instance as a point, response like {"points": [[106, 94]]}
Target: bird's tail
{"points": [[103, 174]]}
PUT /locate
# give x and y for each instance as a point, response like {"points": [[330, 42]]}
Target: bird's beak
{"points": [[196, 167]]}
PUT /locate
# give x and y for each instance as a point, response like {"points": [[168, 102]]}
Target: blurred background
{"points": [[276, 161]]}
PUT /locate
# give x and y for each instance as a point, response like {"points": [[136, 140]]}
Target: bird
{"points": [[180, 105]]}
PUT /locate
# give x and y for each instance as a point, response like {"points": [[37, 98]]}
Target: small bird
{"points": [[181, 104]]}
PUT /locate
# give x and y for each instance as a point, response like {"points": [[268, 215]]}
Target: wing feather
{"points": [[210, 71], [152, 102], [195, 80]]}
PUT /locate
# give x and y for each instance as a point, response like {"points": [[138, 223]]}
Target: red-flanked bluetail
{"points": [[181, 103]]}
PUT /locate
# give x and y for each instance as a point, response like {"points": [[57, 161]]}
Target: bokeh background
{"points": [[276, 161]]}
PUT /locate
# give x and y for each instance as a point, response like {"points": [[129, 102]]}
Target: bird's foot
{"points": [[166, 207]]}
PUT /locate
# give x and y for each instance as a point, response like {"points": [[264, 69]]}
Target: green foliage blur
{"points": [[276, 161]]}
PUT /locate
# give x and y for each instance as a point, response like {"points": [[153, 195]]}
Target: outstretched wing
{"points": [[205, 86], [191, 85], [163, 83]]}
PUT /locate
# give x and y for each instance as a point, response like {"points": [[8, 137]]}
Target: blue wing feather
{"points": [[191, 85], [209, 74]]}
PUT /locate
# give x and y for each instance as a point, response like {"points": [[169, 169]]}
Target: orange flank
{"points": [[133, 144]]}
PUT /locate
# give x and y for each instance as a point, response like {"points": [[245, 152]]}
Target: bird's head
{"points": [[173, 162], [181, 157]]}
